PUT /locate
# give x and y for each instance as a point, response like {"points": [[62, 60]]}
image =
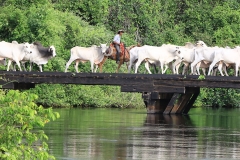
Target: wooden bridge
{"points": [[167, 94]]}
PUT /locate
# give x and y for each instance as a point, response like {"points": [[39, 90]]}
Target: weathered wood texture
{"points": [[129, 82]]}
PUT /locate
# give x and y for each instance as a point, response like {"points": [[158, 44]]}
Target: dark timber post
{"points": [[156, 102], [170, 103]]}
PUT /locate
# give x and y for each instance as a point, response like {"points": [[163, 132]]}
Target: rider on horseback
{"points": [[116, 42]]}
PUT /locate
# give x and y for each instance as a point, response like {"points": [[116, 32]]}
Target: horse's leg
{"points": [[119, 65]]}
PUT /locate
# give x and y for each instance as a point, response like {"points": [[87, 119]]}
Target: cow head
{"points": [[201, 44], [104, 48], [52, 50], [179, 53], [27, 48]]}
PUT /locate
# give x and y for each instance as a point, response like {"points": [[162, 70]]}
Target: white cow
{"points": [[134, 58], [188, 52], [14, 52], [203, 55], [40, 55], [94, 54], [228, 57], [164, 54]]}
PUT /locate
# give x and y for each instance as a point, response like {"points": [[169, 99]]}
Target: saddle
{"points": [[113, 49]]}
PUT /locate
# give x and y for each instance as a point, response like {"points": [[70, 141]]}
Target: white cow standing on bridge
{"points": [[134, 58], [94, 54], [164, 55], [40, 55], [14, 52], [204, 55], [188, 52], [227, 57]]}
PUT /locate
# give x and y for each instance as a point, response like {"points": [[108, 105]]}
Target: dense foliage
{"points": [[65, 24], [19, 116]]}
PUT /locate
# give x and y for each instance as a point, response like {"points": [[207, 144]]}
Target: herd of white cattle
{"points": [[195, 56], [24, 52]]}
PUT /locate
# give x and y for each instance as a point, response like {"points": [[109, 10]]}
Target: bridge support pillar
{"points": [[156, 102], [171, 103]]}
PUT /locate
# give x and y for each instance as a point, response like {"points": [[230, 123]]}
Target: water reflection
{"points": [[129, 134], [156, 119]]}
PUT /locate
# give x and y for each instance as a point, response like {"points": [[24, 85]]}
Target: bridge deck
{"points": [[128, 82]]}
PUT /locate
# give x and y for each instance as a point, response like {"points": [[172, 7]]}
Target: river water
{"points": [[125, 134]]}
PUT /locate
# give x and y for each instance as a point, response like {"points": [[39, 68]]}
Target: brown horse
{"points": [[124, 55]]}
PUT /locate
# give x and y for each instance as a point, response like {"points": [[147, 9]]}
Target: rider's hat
{"points": [[119, 31]]}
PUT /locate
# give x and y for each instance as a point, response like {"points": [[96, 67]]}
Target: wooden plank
{"points": [[171, 103], [149, 88], [198, 83]]}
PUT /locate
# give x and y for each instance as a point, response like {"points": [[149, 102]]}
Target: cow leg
{"points": [[166, 67], [161, 66], [220, 69], [96, 68], [176, 66], [40, 67], [176, 69], [69, 62], [92, 66], [236, 69], [9, 64], [24, 67], [137, 64], [225, 69], [198, 68], [211, 67], [147, 67], [130, 66], [76, 65], [185, 67], [19, 66], [30, 67], [204, 71], [13, 66], [193, 64]]}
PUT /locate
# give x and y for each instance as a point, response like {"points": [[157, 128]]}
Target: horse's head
{"points": [[110, 50]]}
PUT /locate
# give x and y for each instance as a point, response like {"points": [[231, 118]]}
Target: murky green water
{"points": [[113, 134]]}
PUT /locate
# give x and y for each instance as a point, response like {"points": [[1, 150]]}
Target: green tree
{"points": [[21, 121]]}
